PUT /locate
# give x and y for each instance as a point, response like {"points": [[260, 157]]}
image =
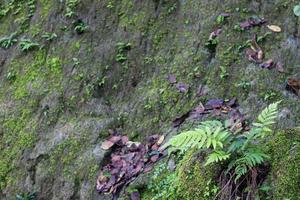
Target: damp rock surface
{"points": [[75, 69]]}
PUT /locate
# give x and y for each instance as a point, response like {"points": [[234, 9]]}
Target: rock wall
{"points": [[106, 68]]}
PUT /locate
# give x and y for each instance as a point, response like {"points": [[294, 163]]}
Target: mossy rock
{"points": [[196, 181], [285, 162], [191, 180]]}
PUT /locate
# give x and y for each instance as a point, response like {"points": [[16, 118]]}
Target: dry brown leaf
{"points": [[274, 28], [107, 145], [160, 140]]}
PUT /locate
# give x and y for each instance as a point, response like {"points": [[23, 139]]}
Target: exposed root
{"points": [[245, 188]]}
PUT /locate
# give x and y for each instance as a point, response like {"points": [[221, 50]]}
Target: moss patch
{"points": [[285, 162], [191, 180]]}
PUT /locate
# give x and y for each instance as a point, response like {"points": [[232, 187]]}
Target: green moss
{"points": [[19, 134], [196, 181], [32, 77], [63, 156], [190, 181], [285, 162], [46, 6], [162, 184]]}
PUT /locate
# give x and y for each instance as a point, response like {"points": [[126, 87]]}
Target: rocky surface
{"points": [[107, 69]]}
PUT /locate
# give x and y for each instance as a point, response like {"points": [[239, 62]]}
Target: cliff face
{"points": [[74, 69]]}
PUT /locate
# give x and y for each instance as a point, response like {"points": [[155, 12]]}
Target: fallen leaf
{"points": [[269, 64], [274, 28], [182, 87], [102, 178], [128, 160], [154, 158], [252, 55], [115, 139], [107, 145], [124, 140], [172, 78], [252, 21], [198, 111], [232, 102], [255, 53], [155, 147], [294, 85], [160, 140], [214, 103], [214, 34]]}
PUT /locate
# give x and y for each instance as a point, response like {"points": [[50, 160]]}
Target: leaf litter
{"points": [[127, 161], [216, 107]]}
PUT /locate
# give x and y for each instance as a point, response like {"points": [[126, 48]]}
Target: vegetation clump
{"points": [[225, 143], [284, 177], [27, 45], [9, 41]]}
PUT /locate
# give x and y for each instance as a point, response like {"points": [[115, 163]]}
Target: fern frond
{"points": [[250, 159], [267, 117], [217, 156], [210, 134], [262, 126], [236, 144]]}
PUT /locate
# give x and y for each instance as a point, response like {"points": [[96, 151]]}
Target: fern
{"points": [[267, 117], [250, 159], [217, 156], [263, 124], [9, 41], [210, 134], [240, 148], [27, 44]]}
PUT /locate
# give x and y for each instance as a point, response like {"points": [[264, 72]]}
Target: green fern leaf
{"points": [[217, 156], [210, 134], [251, 158], [267, 116]]}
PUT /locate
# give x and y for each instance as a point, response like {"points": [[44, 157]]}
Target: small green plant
{"points": [[69, 12], [162, 183], [102, 82], [49, 36], [212, 44], [80, 27], [32, 7], [27, 45], [70, 6], [262, 38], [121, 50], [28, 196], [245, 85], [110, 5], [172, 9], [241, 150], [223, 74], [220, 19], [76, 62], [210, 190], [11, 76], [238, 28], [9, 41], [270, 95]]}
